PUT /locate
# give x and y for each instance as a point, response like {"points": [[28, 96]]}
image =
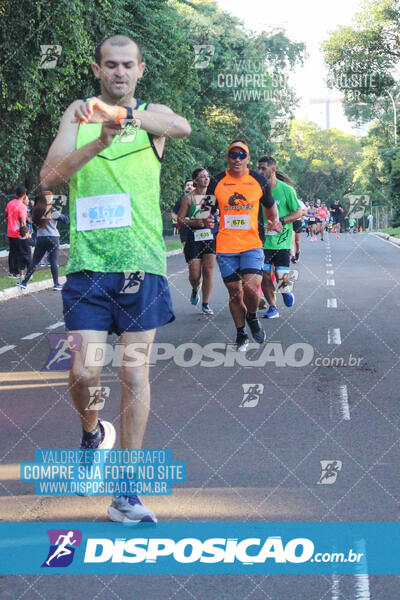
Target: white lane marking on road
{"points": [[334, 336], [339, 404], [331, 303], [330, 272], [335, 586], [361, 583], [31, 336], [177, 273], [330, 282], [344, 402], [6, 349], [55, 325]]}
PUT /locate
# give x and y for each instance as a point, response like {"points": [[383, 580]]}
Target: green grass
{"points": [[39, 275], [173, 245], [393, 231]]}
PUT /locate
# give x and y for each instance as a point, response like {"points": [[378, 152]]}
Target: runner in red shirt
{"points": [[16, 217]]}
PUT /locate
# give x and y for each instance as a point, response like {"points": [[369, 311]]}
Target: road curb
{"points": [[387, 237], [38, 286]]}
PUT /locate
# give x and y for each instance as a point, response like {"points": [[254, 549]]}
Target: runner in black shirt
{"points": [[338, 218]]}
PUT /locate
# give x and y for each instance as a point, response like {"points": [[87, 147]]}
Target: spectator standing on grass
{"points": [[16, 218], [45, 217]]}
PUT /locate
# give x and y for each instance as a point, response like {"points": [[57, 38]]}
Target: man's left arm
{"points": [[22, 216], [161, 122], [294, 207]]}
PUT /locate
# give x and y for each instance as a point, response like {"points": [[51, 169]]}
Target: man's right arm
{"points": [[63, 159]]}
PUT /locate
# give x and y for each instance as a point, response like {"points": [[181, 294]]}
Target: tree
{"points": [[321, 162], [33, 98], [362, 59], [363, 63]]}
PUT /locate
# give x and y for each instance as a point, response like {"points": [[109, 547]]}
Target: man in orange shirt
{"points": [[239, 193], [16, 217]]}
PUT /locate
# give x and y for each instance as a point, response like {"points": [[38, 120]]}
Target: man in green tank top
{"points": [[277, 246], [110, 149]]}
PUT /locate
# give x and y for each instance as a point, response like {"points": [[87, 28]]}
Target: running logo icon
{"points": [[251, 394], [97, 397], [50, 56], [62, 547], [62, 347], [129, 129], [203, 54], [330, 470], [132, 283]]}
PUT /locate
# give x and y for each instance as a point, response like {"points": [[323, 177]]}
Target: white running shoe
{"points": [[130, 509]]}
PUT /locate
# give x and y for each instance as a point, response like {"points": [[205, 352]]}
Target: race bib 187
{"points": [[103, 212]]}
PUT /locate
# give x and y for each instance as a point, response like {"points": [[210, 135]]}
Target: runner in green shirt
{"points": [[110, 149], [277, 247]]}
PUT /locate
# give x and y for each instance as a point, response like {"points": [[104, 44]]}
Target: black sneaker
{"points": [[242, 341], [257, 331]]}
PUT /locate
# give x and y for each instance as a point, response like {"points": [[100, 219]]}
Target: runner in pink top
{"points": [[322, 213]]}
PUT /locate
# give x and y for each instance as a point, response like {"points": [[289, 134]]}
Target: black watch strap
{"points": [[129, 112], [282, 220]]}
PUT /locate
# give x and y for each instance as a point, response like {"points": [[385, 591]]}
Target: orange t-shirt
{"points": [[241, 225]]}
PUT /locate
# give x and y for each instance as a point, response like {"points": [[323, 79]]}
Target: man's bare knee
{"points": [[134, 378], [84, 377]]}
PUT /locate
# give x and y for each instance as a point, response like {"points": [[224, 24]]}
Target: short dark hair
{"points": [[271, 162], [20, 191], [119, 40], [187, 180]]}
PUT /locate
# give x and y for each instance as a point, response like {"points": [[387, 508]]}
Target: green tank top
{"points": [[128, 166]]}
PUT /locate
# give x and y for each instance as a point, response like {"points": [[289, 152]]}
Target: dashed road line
{"points": [[55, 325], [6, 348], [334, 336], [339, 405]]}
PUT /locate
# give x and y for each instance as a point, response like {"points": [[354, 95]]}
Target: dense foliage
{"points": [[33, 98]]}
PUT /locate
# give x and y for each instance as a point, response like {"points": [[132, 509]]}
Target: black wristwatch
{"points": [[282, 220], [129, 112]]}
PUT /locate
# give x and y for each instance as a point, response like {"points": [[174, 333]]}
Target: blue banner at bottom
{"points": [[198, 547]]}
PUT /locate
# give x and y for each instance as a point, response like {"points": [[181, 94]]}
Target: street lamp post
{"points": [[393, 99]]}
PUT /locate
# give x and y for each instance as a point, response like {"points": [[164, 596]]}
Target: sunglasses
{"points": [[237, 154]]}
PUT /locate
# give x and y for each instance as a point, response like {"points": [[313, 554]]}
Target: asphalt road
{"points": [[252, 458]]}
